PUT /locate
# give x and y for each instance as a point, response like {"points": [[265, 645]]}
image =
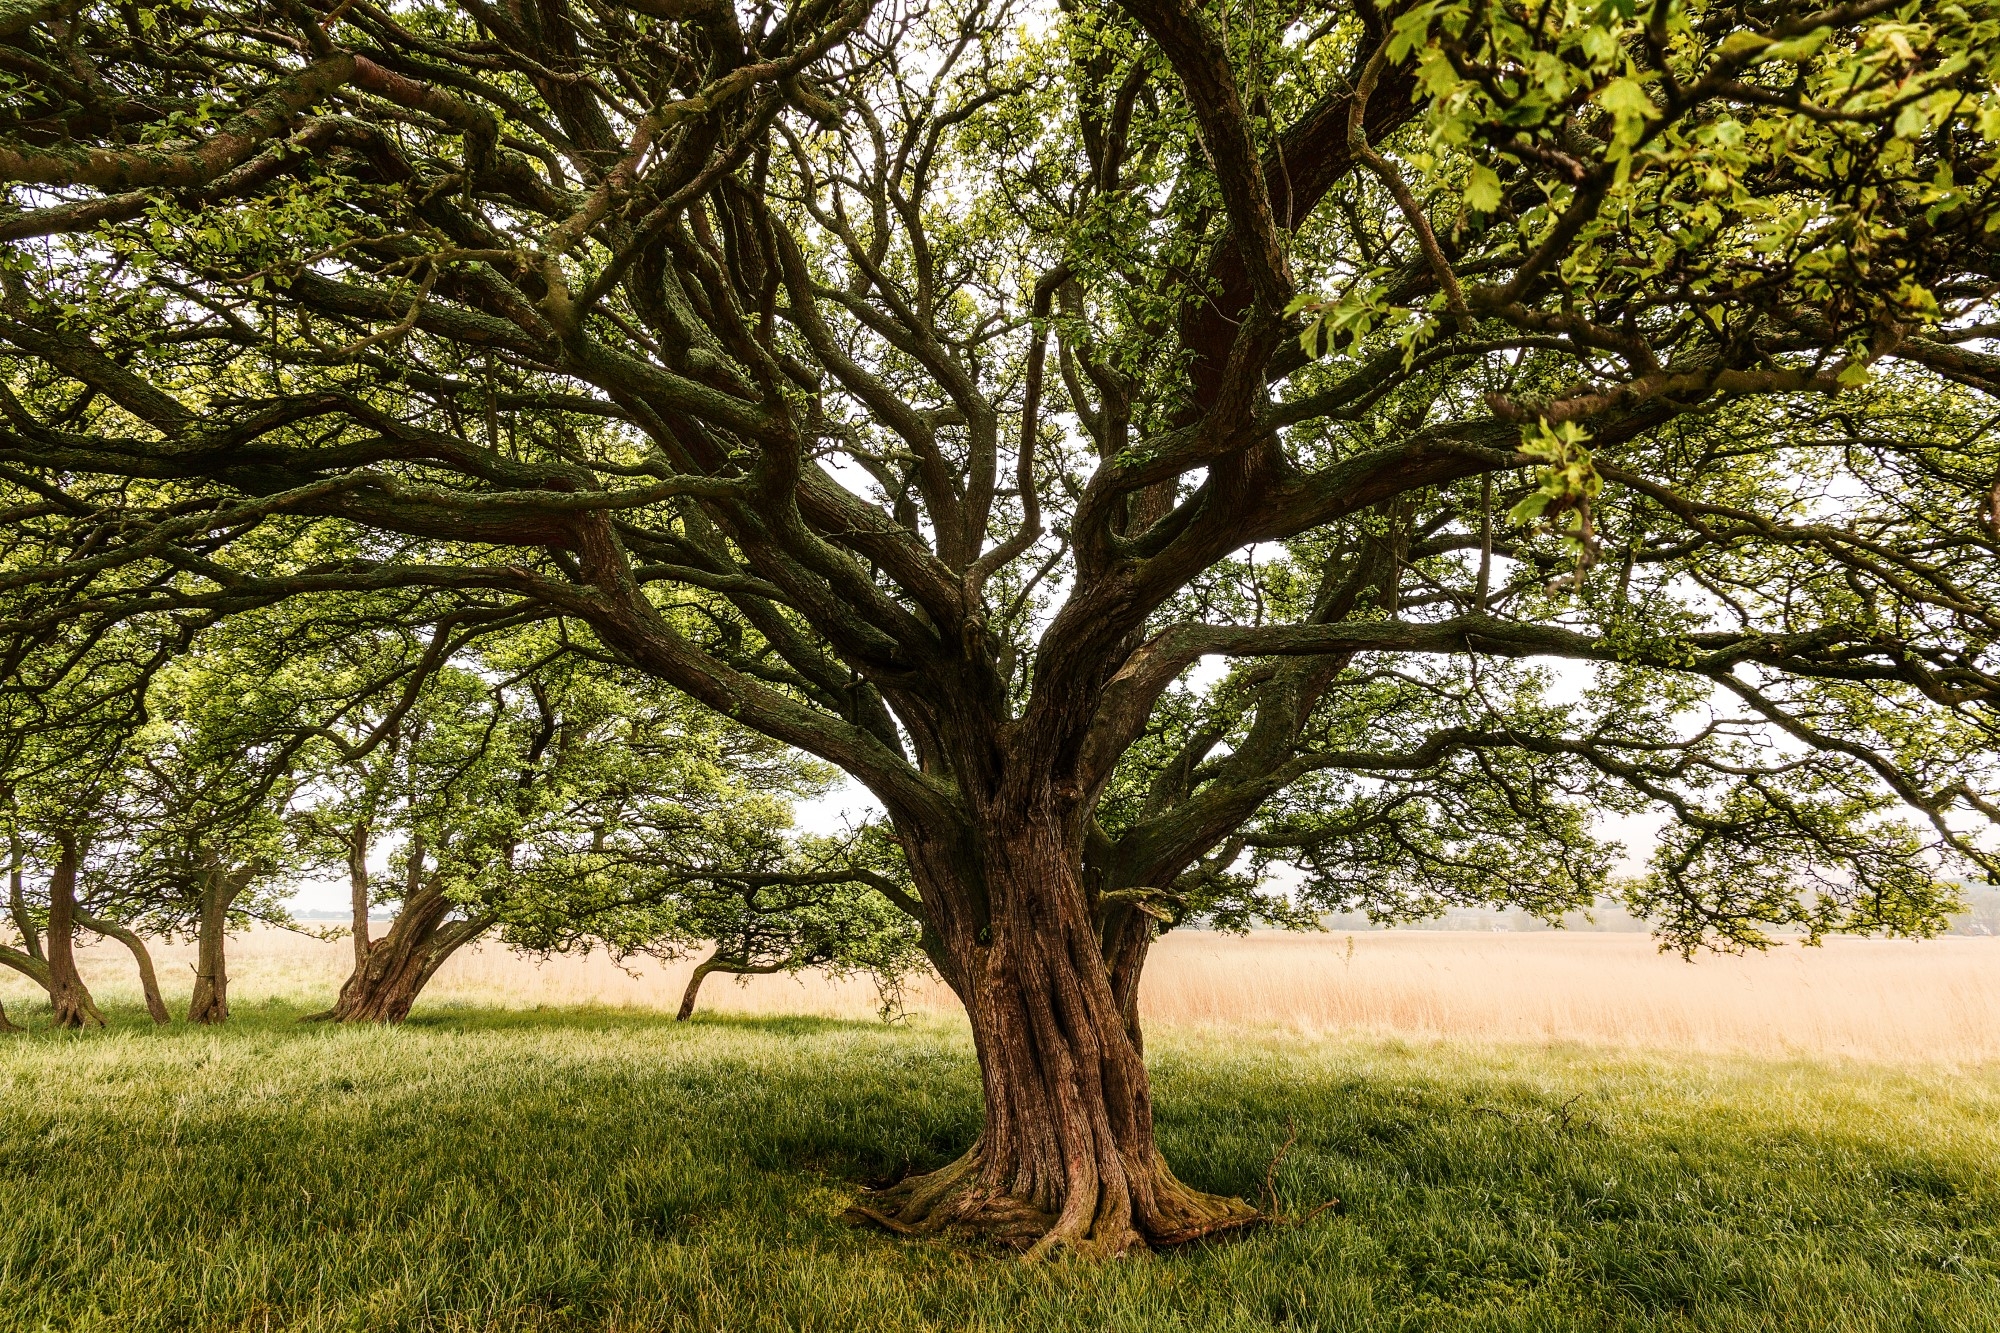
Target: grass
{"points": [[494, 1170]]}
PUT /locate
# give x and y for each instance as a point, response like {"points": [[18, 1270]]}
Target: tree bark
{"points": [[28, 965], [219, 891], [715, 962], [69, 998], [357, 884], [1066, 1157], [387, 979], [17, 897], [149, 981]]}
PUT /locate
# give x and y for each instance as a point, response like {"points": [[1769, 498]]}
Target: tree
{"points": [[212, 772], [1395, 350], [73, 702], [537, 789], [737, 883]]}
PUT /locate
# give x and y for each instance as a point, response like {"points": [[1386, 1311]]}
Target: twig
{"points": [[1272, 1214]]}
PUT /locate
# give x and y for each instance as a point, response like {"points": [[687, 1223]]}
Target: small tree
{"points": [[739, 886], [69, 715], [522, 777], [207, 847]]}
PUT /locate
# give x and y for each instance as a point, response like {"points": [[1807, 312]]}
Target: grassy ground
{"points": [[587, 1169]]}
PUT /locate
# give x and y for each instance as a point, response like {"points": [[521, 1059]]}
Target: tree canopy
{"points": [[1534, 409]]}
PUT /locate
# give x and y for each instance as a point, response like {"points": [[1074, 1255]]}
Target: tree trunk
{"points": [[149, 982], [357, 885], [28, 965], [69, 998], [219, 891], [715, 962], [1066, 1156], [389, 977], [34, 968], [17, 898]]}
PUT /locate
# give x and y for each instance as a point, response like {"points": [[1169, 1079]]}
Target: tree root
{"points": [[954, 1200]]}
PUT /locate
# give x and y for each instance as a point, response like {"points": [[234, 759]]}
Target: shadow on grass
{"points": [[627, 1178]]}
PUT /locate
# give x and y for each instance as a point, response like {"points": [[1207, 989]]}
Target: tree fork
{"points": [[395, 969], [219, 891]]}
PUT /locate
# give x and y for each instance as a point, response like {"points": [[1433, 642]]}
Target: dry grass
{"points": [[1936, 1000]]}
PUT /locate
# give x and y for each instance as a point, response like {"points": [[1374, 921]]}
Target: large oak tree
{"points": [[931, 387]]}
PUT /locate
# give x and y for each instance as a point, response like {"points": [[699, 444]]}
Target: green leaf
{"points": [[1741, 41], [1529, 508], [1799, 48], [1482, 190]]}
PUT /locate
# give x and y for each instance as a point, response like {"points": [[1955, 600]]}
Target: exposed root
{"points": [[955, 1200], [951, 1200]]}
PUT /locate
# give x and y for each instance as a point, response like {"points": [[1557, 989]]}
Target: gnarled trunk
{"points": [[149, 981], [393, 972], [1066, 1157], [69, 998], [219, 890]]}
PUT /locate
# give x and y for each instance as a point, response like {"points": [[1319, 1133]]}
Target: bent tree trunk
{"points": [[1066, 1156], [28, 965], [149, 981], [394, 970], [219, 890], [69, 998], [17, 898], [715, 962]]}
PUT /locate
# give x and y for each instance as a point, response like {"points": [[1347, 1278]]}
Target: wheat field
{"points": [[1896, 1001]]}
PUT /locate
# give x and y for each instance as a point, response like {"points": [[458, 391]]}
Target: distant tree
{"points": [[528, 782], [71, 706], [931, 387], [210, 785], [739, 886]]}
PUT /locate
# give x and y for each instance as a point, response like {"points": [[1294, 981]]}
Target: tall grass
{"points": [[1878, 1000], [489, 1170]]}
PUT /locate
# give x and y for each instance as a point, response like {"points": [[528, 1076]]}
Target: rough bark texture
{"points": [[715, 962], [388, 978], [149, 981], [7, 1024], [1066, 1157], [357, 884], [17, 899], [69, 998], [32, 966], [219, 891]]}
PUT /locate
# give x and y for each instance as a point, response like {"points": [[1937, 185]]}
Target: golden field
{"points": [[1899, 1001]]}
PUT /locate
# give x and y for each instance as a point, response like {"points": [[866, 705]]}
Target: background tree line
{"points": [[492, 782]]}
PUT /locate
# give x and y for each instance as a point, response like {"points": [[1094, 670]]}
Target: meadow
{"points": [[542, 1148]]}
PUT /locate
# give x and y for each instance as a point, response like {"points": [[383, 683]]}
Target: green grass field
{"points": [[480, 1170]]}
